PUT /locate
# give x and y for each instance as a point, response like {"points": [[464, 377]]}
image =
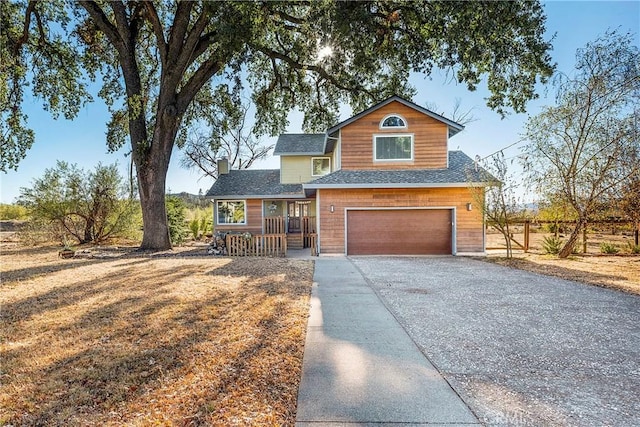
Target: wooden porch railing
{"points": [[258, 245], [274, 225], [313, 243], [308, 228], [308, 224]]}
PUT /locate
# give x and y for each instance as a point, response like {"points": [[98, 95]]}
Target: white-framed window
{"points": [[393, 147], [320, 166], [393, 121], [231, 212]]}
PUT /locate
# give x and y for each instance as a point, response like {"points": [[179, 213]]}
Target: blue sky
{"points": [[574, 23]]}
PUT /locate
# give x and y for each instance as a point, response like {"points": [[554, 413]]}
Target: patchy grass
{"points": [[148, 340], [610, 271]]}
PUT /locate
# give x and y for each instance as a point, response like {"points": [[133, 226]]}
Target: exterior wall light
{"points": [[332, 209], [469, 207]]}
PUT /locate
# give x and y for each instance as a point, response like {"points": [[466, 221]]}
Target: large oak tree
{"points": [[165, 65]]}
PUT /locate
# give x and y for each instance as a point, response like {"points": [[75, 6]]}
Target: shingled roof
{"points": [[300, 144], [461, 171], [253, 183]]}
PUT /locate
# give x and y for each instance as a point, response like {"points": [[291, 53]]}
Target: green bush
{"points": [[197, 212], [176, 219], [609, 248], [88, 206], [551, 245], [194, 226], [199, 227], [205, 226], [13, 212]]}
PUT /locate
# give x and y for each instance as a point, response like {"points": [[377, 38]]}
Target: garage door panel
{"points": [[399, 232]]}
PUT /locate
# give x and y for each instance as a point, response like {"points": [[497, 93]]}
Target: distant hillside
{"points": [[192, 200]]}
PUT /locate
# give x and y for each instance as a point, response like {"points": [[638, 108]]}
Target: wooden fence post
{"points": [[527, 225]]}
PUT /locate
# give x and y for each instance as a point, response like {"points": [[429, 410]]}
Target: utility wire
{"points": [[562, 117]]}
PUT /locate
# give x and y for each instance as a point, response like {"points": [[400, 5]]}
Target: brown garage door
{"points": [[399, 232]]}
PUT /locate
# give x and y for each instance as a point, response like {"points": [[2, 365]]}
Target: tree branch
{"points": [[102, 22], [179, 28], [287, 17], [314, 68], [187, 53], [204, 43], [156, 25], [202, 75], [122, 23], [31, 8]]}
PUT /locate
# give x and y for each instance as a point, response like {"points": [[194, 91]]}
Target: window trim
{"points": [[386, 135], [393, 127], [231, 223], [321, 158]]}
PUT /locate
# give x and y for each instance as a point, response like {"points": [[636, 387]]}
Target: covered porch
{"points": [[294, 218]]}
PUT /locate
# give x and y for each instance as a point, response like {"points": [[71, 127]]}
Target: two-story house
{"points": [[381, 182]]}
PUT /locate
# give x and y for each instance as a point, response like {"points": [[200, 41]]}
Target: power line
{"points": [[504, 148], [562, 117]]}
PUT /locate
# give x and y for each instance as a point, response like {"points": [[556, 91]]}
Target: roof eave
{"points": [[257, 196], [397, 185], [316, 153]]}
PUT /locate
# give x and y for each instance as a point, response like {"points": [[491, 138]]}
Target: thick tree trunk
{"points": [[154, 215], [152, 169], [573, 239], [88, 231]]}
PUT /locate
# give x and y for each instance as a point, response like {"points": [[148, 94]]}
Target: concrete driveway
{"points": [[519, 348]]}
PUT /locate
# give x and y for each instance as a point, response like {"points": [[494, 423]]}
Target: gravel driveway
{"points": [[520, 348]]}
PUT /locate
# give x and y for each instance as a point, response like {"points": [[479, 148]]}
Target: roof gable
{"points": [[453, 127]]}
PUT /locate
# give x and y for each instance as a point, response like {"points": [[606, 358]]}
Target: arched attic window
{"points": [[393, 121]]}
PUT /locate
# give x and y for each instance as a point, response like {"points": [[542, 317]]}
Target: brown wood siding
{"points": [[469, 225], [430, 140], [254, 219], [429, 232]]}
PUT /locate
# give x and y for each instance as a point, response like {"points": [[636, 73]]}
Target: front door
{"points": [[295, 211]]}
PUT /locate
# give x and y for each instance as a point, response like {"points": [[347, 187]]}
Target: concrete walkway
{"points": [[360, 366]]}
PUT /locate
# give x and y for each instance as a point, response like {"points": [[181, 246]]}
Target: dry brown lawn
{"points": [[621, 271], [130, 339]]}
